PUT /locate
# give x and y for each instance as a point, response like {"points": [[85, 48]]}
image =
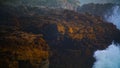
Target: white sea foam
{"points": [[108, 58]]}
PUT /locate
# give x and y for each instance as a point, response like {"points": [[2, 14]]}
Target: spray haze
{"points": [[99, 1], [108, 58], [114, 17]]}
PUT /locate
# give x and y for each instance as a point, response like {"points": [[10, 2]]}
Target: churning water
{"points": [[114, 17], [110, 57]]}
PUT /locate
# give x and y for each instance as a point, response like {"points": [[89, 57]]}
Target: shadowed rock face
{"points": [[22, 50], [72, 37]]}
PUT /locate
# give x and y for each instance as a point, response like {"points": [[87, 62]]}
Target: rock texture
{"points": [[19, 49], [72, 37]]}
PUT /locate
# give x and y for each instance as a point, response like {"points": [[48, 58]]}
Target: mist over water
{"points": [[114, 17], [108, 58]]}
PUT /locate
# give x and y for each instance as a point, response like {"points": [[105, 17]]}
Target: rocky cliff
{"points": [[72, 37], [20, 49]]}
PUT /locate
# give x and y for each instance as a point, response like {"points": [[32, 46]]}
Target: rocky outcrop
{"points": [[71, 36], [22, 50]]}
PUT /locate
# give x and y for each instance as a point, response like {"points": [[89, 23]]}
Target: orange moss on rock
{"points": [[21, 46]]}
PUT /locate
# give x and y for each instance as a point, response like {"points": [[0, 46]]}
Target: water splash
{"points": [[114, 17], [108, 58]]}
